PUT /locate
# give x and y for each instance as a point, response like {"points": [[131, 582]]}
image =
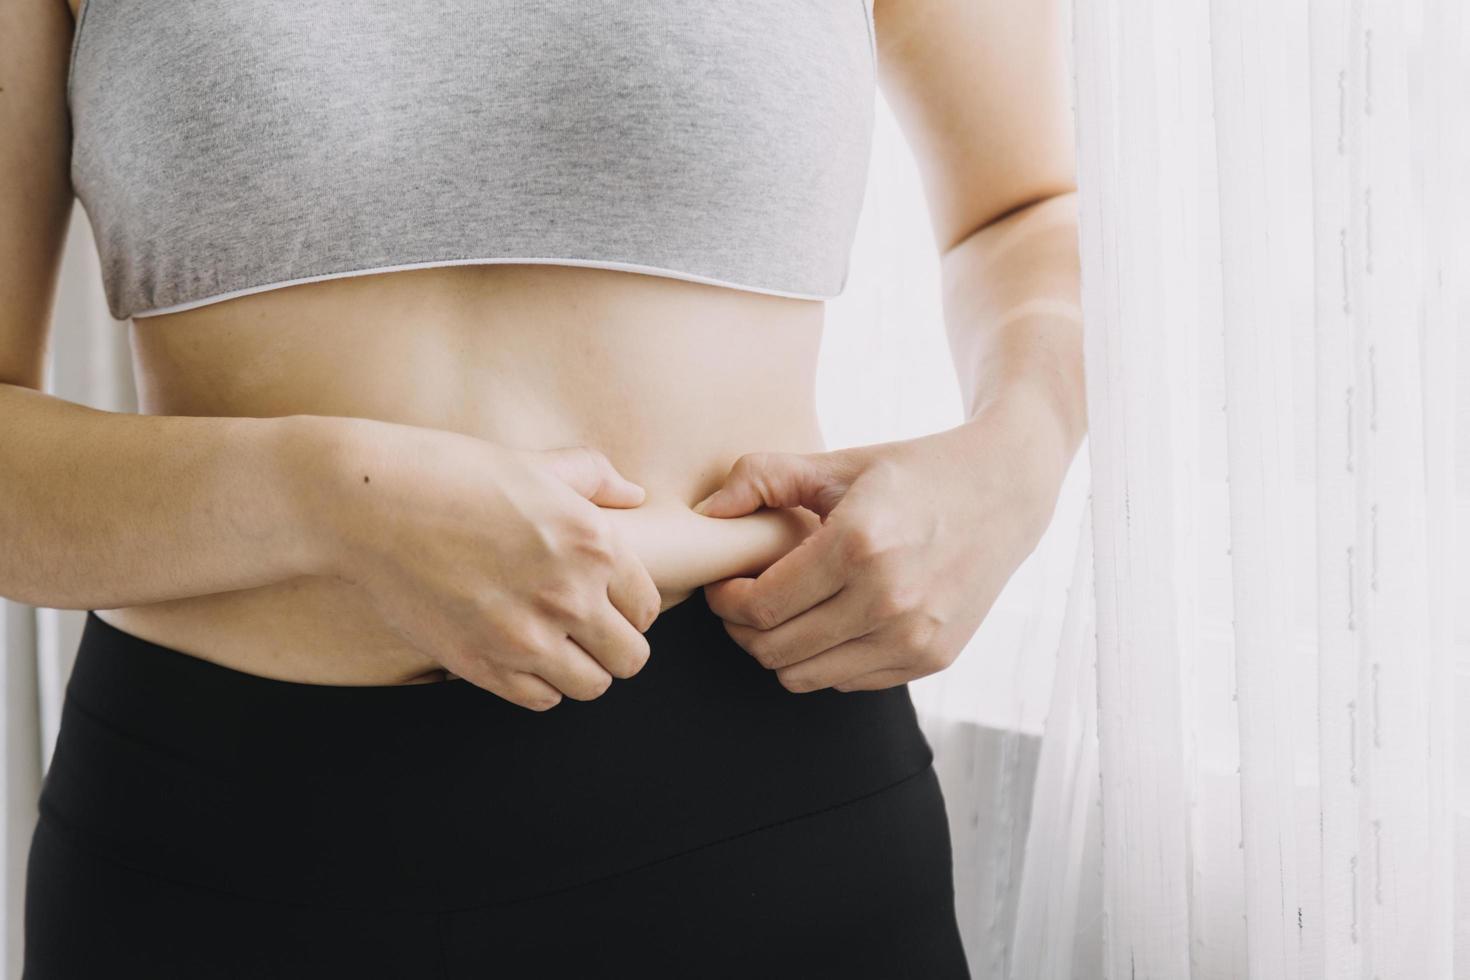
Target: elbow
{"points": [[1055, 196]]}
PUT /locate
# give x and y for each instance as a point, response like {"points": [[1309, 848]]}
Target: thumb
{"points": [[815, 481], [593, 475]]}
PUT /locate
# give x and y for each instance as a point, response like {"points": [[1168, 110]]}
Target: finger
{"points": [[530, 691], [877, 680], [616, 644], [589, 472], [812, 571], [828, 624], [566, 666], [838, 665], [815, 481], [631, 589], [518, 687]]}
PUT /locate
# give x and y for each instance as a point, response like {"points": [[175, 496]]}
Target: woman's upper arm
{"points": [[35, 178], [982, 93]]}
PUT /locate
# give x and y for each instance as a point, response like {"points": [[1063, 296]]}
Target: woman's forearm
{"points": [[104, 509], [1012, 307]]}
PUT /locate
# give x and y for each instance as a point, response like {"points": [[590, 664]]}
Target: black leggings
{"points": [[696, 820]]}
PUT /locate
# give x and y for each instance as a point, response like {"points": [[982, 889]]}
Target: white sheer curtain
{"points": [[1276, 304]]}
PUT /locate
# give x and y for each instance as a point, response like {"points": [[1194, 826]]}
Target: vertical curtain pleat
{"points": [[1438, 86], [1397, 850], [1057, 909], [1256, 48], [1135, 189]]}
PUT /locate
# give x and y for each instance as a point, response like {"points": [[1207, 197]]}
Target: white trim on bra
{"points": [[649, 270]]}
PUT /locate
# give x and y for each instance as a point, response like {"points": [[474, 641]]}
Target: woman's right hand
{"points": [[496, 562]]}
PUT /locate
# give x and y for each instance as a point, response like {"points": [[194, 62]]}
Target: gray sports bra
{"points": [[222, 147]]}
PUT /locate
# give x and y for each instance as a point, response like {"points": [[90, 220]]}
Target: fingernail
{"points": [[699, 507]]}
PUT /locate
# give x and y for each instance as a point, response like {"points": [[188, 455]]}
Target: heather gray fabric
{"points": [[222, 147]]}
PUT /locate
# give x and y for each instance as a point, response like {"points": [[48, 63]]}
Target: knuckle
{"points": [[586, 461], [920, 640], [927, 656], [541, 702], [466, 655], [632, 662], [476, 653], [522, 648], [931, 664], [795, 683], [748, 463], [560, 601], [762, 649], [909, 642], [762, 613], [537, 697], [895, 601], [644, 616], [864, 544], [927, 625], [591, 686], [592, 456], [593, 540], [526, 648], [485, 675]]}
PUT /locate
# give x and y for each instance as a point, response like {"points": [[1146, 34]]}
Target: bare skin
{"points": [[672, 381], [374, 440]]}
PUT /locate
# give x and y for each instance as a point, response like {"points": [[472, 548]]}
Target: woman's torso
{"points": [[219, 147], [160, 757]]}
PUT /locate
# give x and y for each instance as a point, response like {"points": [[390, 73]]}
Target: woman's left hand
{"points": [[917, 539]]}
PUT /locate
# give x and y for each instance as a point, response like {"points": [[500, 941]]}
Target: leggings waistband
{"points": [[443, 795]]}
